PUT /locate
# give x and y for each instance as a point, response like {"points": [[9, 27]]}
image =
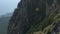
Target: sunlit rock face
{"points": [[55, 7], [56, 29], [32, 12]]}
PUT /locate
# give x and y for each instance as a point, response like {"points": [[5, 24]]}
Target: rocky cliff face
{"points": [[33, 15]]}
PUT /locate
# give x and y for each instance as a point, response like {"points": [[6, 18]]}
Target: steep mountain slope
{"points": [[35, 17]]}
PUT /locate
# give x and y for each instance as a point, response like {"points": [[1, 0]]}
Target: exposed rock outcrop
{"points": [[33, 15]]}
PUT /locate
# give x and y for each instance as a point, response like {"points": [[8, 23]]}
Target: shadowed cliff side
{"points": [[33, 16]]}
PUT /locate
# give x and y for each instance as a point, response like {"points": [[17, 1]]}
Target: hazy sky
{"points": [[7, 6]]}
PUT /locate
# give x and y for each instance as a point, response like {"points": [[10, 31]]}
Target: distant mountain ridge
{"points": [[6, 15]]}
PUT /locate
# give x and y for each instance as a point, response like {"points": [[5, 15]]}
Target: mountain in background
{"points": [[4, 19], [6, 15]]}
